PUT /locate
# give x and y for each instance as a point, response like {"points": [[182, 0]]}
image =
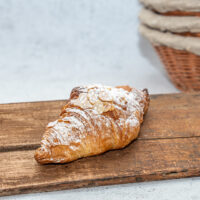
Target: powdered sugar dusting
{"points": [[92, 103], [63, 134], [101, 98], [78, 111], [51, 124], [75, 122]]}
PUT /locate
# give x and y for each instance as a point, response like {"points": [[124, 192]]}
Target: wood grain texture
{"points": [[168, 147], [172, 116], [143, 160], [167, 113], [21, 121]]}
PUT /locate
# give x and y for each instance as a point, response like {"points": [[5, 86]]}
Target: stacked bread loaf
{"points": [[173, 27]]}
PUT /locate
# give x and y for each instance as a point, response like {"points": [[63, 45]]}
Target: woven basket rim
{"points": [[166, 5], [176, 24], [190, 44]]}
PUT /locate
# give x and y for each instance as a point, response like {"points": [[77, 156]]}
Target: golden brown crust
{"points": [[95, 119]]}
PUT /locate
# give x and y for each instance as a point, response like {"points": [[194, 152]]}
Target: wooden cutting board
{"points": [[168, 147]]}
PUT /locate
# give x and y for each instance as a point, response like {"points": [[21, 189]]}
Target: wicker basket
{"points": [[182, 13], [183, 67]]}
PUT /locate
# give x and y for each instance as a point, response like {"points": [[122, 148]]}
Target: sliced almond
{"points": [[82, 101], [108, 107], [99, 107], [105, 95], [92, 96]]}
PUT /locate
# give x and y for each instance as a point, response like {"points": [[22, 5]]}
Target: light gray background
{"points": [[47, 47]]}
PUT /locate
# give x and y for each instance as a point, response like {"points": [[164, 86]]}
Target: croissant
{"points": [[95, 119]]}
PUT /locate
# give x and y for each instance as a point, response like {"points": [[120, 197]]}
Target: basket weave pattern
{"points": [[183, 67]]}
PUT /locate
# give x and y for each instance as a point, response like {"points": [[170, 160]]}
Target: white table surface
{"points": [[48, 47]]}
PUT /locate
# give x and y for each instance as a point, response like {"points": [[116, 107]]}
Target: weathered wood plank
{"points": [[169, 116], [172, 116], [143, 160], [22, 124]]}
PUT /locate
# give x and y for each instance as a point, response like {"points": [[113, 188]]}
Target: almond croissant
{"points": [[95, 119]]}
